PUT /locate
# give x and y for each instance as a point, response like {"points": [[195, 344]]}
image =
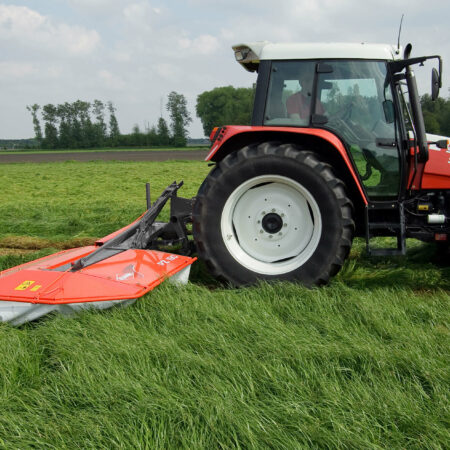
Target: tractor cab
{"points": [[353, 90]]}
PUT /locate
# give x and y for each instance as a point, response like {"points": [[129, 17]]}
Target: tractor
{"points": [[337, 148]]}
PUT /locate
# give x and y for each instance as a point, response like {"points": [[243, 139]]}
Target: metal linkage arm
{"points": [[140, 235]]}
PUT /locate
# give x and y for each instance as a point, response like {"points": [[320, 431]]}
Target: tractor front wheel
{"points": [[273, 212]]}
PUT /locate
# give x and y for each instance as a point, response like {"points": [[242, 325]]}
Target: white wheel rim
{"points": [[246, 234]]}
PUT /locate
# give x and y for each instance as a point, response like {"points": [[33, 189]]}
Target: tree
{"points": [[436, 115], [114, 132], [64, 113], [137, 136], [225, 106], [152, 136], [180, 118], [83, 128], [36, 125], [99, 126], [163, 132], [49, 114]]}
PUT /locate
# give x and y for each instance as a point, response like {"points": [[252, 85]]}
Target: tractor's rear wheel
{"points": [[272, 211]]}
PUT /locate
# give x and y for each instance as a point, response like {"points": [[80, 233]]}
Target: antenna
{"points": [[399, 32]]}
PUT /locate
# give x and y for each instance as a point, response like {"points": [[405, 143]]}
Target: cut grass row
{"points": [[361, 363]]}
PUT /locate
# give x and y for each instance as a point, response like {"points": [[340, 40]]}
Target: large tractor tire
{"points": [[273, 212], [443, 253]]}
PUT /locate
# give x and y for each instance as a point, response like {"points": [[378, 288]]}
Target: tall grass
{"points": [[361, 363]]}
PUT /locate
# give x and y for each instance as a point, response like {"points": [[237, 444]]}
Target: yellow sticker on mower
{"points": [[24, 285]]}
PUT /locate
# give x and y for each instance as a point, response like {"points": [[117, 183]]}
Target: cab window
{"points": [[289, 100]]}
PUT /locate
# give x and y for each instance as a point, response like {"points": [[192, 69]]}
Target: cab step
{"points": [[385, 219]]}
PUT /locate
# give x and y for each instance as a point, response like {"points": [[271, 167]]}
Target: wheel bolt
{"points": [[285, 225], [263, 213], [270, 236], [261, 231], [273, 210]]}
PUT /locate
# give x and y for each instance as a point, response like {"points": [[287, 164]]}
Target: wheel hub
{"points": [[272, 223]]}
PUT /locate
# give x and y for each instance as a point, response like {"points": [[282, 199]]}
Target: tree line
{"points": [[436, 115], [83, 124]]}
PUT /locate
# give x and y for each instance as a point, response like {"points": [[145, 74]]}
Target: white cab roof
{"points": [[254, 52]]}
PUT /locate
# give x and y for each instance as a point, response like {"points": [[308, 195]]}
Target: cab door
{"points": [[355, 102]]}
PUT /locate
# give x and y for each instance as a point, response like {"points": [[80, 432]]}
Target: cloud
{"points": [[111, 81], [29, 29], [201, 45], [14, 70]]}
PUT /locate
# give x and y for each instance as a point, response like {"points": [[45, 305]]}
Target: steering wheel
{"points": [[372, 160]]}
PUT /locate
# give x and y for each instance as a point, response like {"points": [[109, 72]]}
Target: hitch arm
{"points": [[137, 236]]}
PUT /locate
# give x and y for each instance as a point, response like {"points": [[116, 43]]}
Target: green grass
{"points": [[361, 363], [60, 201]]}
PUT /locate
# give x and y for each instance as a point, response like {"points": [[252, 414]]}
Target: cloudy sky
{"points": [[134, 52]]}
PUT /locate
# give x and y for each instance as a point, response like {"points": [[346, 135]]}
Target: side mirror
{"points": [[434, 84], [389, 112], [443, 143]]}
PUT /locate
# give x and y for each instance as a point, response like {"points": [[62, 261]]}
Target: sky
{"points": [[135, 52]]}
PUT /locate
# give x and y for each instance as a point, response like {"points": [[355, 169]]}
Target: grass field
{"points": [[361, 363]]}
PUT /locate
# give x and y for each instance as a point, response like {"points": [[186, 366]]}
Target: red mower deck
{"points": [[120, 268]]}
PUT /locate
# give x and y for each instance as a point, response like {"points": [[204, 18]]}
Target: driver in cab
{"points": [[298, 105]]}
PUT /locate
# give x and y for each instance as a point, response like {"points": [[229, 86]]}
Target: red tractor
{"points": [[337, 148]]}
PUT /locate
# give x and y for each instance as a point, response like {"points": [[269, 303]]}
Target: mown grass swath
{"points": [[361, 363]]}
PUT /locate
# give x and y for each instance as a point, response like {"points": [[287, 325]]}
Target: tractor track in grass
{"points": [[21, 245], [151, 155]]}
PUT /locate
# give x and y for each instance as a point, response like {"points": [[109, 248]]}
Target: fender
{"points": [[434, 173], [220, 136]]}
